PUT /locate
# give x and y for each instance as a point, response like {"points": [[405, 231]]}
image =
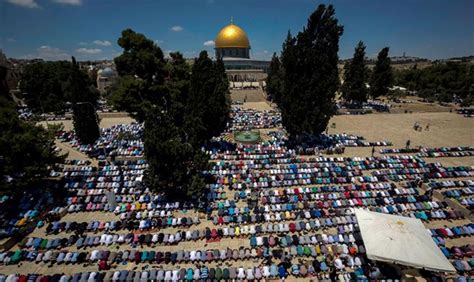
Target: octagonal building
{"points": [[233, 42], [232, 45]]}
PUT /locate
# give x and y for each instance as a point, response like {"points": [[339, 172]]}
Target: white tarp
{"points": [[401, 240]]}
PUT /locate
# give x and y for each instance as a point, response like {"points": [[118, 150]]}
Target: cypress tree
{"points": [[181, 108], [174, 165], [382, 76], [355, 76], [79, 90], [208, 104], [310, 74], [274, 79], [219, 102]]}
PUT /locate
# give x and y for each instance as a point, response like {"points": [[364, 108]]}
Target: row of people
{"points": [[295, 163], [334, 217], [344, 235], [80, 227], [453, 232], [451, 183], [458, 251], [201, 273], [425, 150], [323, 252], [110, 141]]}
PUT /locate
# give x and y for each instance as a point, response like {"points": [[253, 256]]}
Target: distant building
{"points": [[233, 46], [105, 78]]}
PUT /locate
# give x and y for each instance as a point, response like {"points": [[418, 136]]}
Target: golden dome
{"points": [[232, 36]]}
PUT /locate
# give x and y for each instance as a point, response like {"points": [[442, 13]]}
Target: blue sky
{"points": [[88, 29]]}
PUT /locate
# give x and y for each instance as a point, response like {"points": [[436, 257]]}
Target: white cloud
{"points": [[102, 42], [69, 2], [158, 42], [48, 53], [88, 51], [52, 54], [116, 54], [24, 3], [262, 55], [209, 43], [83, 43], [177, 28], [11, 40], [167, 53], [190, 54]]}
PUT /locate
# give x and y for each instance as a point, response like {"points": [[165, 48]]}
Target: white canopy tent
{"points": [[401, 240]]}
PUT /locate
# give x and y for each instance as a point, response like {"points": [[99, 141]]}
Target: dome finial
{"points": [[231, 19]]}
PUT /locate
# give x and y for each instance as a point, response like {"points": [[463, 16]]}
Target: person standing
{"points": [[373, 151], [429, 192]]}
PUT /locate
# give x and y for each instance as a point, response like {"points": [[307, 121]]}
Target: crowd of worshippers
{"points": [[17, 213], [248, 119], [204, 273], [466, 112], [383, 170], [295, 212], [464, 197], [118, 140], [379, 106], [330, 255], [330, 143], [456, 252], [27, 114], [239, 168], [441, 152], [273, 247], [464, 193]]}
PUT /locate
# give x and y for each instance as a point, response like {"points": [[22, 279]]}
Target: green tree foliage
{"points": [[79, 90], [43, 86], [51, 86], [310, 74], [355, 76], [440, 81], [274, 79], [219, 101], [26, 150], [177, 87], [382, 77], [86, 123], [128, 94], [180, 107], [3, 82], [208, 104], [141, 68], [174, 165], [141, 57]]}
